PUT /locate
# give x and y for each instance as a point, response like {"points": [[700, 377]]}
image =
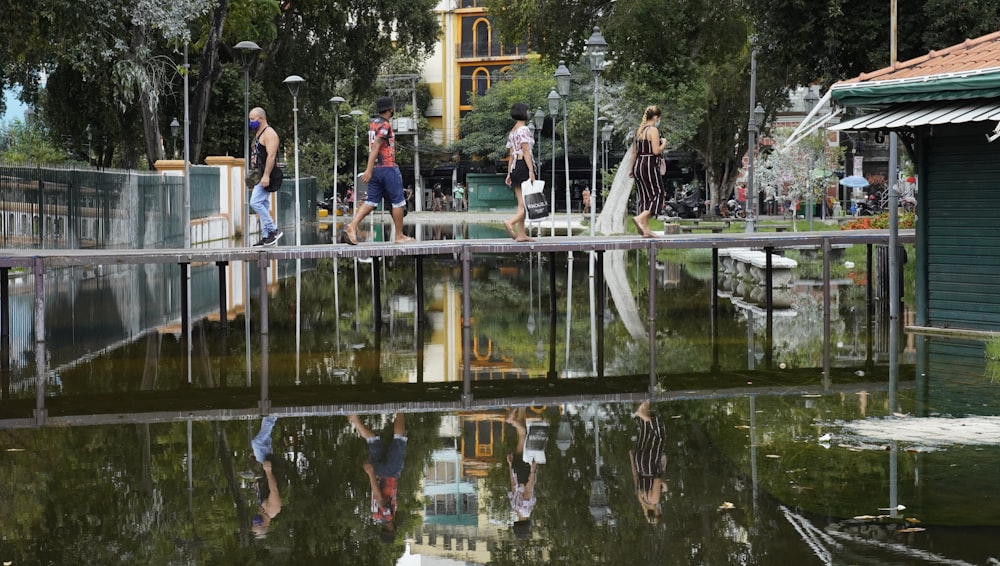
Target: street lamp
{"points": [[606, 132], [553, 100], [596, 48], [175, 130], [539, 120], [752, 137], [337, 101], [293, 82], [563, 82], [354, 182], [247, 50]]}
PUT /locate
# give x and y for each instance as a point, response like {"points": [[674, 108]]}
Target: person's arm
{"points": [[270, 139], [372, 157], [635, 151], [655, 141], [526, 150], [273, 503], [376, 490], [510, 163]]}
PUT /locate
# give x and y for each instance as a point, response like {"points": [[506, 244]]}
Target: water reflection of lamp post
{"points": [[553, 100], [563, 82], [596, 47], [564, 435], [598, 501]]}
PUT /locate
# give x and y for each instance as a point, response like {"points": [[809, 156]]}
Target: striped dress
{"points": [[649, 182], [649, 455]]}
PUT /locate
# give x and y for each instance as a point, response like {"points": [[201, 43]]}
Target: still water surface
{"points": [[769, 460]]}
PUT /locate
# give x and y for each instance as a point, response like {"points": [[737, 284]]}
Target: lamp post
{"points": [[175, 130], [563, 82], [337, 101], [293, 82], [606, 132], [539, 120], [247, 50], [553, 100], [354, 193], [596, 48], [752, 138]]}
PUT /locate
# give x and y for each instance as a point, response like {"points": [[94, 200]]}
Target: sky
{"points": [[15, 108]]}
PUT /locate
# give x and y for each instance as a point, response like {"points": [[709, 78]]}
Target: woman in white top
{"points": [[520, 167]]}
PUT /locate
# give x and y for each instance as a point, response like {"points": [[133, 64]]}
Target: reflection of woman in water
{"points": [[649, 463], [266, 487], [522, 477]]}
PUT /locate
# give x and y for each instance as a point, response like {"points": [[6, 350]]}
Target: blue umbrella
{"points": [[854, 181]]}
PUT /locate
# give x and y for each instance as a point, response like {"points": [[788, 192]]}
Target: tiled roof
{"points": [[970, 56]]}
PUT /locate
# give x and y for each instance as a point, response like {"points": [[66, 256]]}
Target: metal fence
{"points": [[68, 208]]}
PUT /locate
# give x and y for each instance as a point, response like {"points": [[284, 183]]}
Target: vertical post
{"points": [[223, 297], [768, 279], [601, 294], [419, 260], [417, 183], [187, 161], [466, 326], [593, 160], [265, 386], [651, 319], [262, 264], [715, 278], [826, 310], [377, 292], [38, 270], [553, 305], [186, 315], [751, 213], [5, 333]]}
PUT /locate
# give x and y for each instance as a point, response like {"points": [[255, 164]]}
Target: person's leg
{"points": [[399, 425], [519, 216], [261, 444], [372, 199], [359, 426], [260, 201], [516, 417], [394, 191]]}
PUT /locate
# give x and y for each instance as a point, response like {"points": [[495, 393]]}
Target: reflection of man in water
{"points": [[649, 462], [384, 466], [266, 488], [522, 477]]}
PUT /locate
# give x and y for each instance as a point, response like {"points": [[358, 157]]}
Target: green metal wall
{"points": [[959, 209]]}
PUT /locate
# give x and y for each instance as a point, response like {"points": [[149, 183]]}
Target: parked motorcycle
{"points": [[686, 203]]}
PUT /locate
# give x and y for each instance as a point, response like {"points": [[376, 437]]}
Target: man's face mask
{"points": [[254, 124]]}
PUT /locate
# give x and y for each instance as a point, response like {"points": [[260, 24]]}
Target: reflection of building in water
{"points": [[443, 348], [455, 524]]}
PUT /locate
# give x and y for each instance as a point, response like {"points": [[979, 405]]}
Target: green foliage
{"points": [[24, 143]]}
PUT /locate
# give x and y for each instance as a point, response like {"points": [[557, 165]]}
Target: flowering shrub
{"points": [[880, 222]]}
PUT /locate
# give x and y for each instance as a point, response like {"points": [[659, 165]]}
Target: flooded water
{"points": [[771, 439]]}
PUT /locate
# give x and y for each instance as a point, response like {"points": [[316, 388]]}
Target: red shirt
{"points": [[380, 128], [385, 514]]}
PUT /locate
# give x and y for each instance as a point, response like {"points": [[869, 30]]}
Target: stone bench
{"points": [[690, 229]]}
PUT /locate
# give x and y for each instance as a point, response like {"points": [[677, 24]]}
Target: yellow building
{"points": [[465, 61]]}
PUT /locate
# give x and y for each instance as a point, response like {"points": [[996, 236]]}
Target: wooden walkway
{"points": [[38, 262]]}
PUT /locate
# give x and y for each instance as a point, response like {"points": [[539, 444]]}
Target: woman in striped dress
{"points": [[649, 463], [646, 154]]}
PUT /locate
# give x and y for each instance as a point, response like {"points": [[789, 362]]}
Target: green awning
{"points": [[952, 87]]}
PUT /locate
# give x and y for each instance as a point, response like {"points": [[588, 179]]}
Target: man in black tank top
{"points": [[263, 159]]}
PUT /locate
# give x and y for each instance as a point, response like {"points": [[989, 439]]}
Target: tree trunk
{"points": [[209, 72], [148, 102]]}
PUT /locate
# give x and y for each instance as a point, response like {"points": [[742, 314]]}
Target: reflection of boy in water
{"points": [[522, 477], [384, 466], [266, 488], [649, 462]]}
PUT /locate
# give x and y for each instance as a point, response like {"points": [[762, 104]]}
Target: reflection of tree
{"points": [[79, 492]]}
